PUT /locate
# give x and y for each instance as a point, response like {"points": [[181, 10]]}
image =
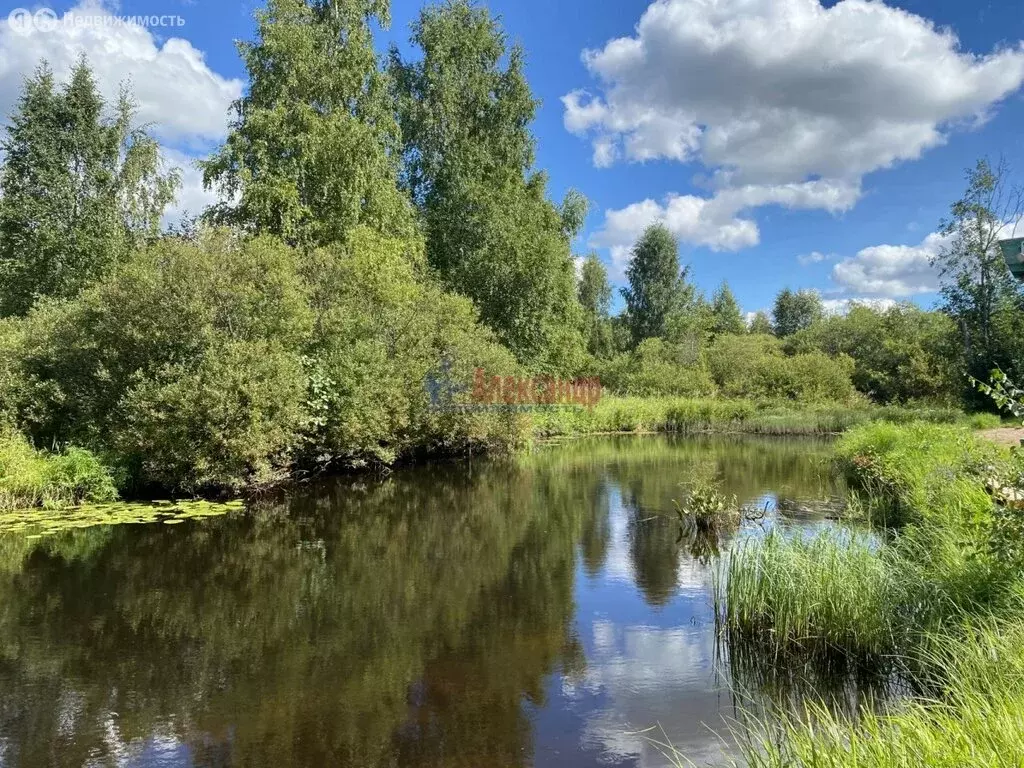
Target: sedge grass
{"points": [[825, 597]]}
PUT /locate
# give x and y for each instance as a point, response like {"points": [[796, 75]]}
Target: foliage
{"points": [[795, 310], [595, 295], [978, 291], [31, 478], [226, 361], [658, 367], [492, 234], [657, 287], [726, 312], [79, 189], [752, 365], [313, 146], [760, 323], [899, 354]]}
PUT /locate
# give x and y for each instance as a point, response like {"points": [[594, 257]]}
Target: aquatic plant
{"points": [[826, 597]]}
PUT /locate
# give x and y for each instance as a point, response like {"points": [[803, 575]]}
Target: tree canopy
{"points": [[80, 188]]}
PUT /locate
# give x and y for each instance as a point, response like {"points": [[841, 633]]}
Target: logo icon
{"points": [[20, 21], [46, 20]]}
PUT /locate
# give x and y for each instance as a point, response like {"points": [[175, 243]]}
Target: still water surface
{"points": [[544, 613]]}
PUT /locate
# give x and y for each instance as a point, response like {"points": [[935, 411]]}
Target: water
{"points": [[543, 613]]}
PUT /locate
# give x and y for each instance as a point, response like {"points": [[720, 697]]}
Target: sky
{"points": [[786, 143]]}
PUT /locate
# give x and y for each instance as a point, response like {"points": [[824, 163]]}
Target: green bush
{"points": [[658, 367], [31, 478], [754, 366], [226, 361]]}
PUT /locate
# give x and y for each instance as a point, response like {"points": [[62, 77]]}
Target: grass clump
{"points": [[974, 717], [30, 478], [919, 471], [827, 597]]}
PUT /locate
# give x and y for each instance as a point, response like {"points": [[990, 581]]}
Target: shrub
{"points": [[658, 367], [31, 478], [225, 361], [753, 366]]}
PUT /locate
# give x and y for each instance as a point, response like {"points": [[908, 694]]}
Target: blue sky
{"points": [[806, 145]]}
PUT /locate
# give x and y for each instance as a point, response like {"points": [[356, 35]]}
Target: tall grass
{"points": [[919, 472], [825, 597], [690, 415], [975, 718], [31, 478]]}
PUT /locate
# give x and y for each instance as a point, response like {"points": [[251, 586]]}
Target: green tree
{"points": [[80, 189], [313, 147], [726, 311], [465, 109], [978, 291], [795, 310], [761, 323], [900, 354], [595, 296], [657, 287]]}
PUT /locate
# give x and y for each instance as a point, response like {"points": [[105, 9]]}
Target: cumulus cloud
{"points": [[775, 91], [891, 270], [183, 100], [714, 222], [770, 93]]}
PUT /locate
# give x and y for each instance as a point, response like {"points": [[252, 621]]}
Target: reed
{"points": [[828, 597]]}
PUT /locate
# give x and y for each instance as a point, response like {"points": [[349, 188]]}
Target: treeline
{"points": [[376, 216], [670, 340]]}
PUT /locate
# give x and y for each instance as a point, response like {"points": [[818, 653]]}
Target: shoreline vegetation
{"points": [[936, 602], [32, 478]]}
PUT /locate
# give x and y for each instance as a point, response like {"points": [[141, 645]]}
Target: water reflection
{"points": [[540, 613]]}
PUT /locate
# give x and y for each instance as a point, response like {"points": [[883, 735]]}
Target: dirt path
{"points": [[1004, 435]]}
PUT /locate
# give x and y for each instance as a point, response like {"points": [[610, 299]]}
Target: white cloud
{"points": [[770, 94], [714, 222], [891, 270], [814, 257], [183, 100], [777, 91]]}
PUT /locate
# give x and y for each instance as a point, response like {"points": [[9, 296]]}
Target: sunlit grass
{"points": [[823, 597]]}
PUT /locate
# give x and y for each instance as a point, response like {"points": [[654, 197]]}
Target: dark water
{"points": [[543, 613]]}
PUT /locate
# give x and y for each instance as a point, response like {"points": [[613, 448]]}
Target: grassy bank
{"points": [[938, 598], [34, 478], [30, 478], [692, 415]]}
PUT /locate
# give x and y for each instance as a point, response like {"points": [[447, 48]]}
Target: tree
{"points": [[492, 235], [657, 287], [595, 296], [313, 148], [79, 189], [761, 323], [900, 354], [795, 310], [727, 316], [978, 291]]}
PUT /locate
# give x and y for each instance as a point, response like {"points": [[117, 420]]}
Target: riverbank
{"points": [[939, 606], [31, 478]]}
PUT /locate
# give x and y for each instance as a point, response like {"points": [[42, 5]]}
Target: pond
{"points": [[542, 612]]}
